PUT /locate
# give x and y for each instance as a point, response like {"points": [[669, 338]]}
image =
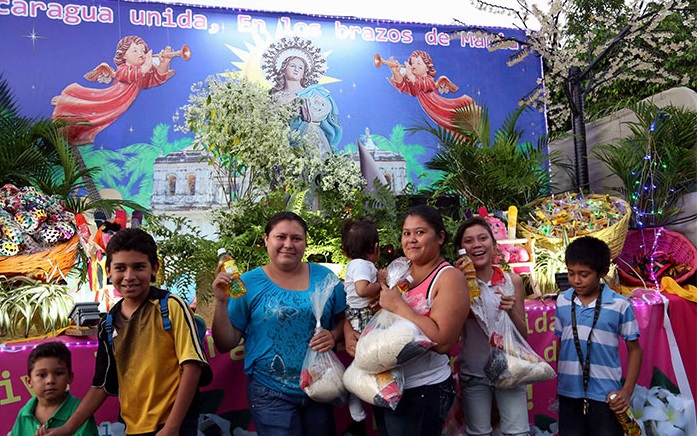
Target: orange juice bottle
{"points": [[404, 285], [237, 287], [470, 273], [627, 421]]}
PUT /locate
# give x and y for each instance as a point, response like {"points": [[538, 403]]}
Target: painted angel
{"points": [[89, 110], [416, 78]]}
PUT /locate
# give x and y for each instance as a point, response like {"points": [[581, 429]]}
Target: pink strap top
{"points": [[419, 297]]}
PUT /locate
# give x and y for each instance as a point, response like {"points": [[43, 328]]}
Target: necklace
{"points": [[585, 364]]}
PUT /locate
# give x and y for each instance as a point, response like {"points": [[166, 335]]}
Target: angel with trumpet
{"points": [[89, 111], [416, 77]]}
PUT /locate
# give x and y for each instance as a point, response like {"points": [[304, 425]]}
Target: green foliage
{"points": [[241, 227], [189, 258], [679, 62], [656, 164], [548, 262], [494, 173], [26, 303], [34, 153], [186, 257]]}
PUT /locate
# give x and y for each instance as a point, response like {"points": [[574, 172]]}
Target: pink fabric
{"points": [[419, 297], [683, 319], [101, 107], [229, 375], [439, 108]]}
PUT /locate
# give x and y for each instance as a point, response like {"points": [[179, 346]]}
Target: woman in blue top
{"points": [[275, 319]]}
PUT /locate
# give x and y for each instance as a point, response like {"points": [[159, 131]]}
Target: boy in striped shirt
{"points": [[590, 320]]}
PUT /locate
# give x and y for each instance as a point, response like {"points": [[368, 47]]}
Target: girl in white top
{"points": [[361, 244], [476, 237]]}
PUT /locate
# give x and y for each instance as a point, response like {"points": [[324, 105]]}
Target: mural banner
{"points": [[126, 69]]}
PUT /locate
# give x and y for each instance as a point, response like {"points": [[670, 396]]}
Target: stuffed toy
{"points": [[509, 253]]}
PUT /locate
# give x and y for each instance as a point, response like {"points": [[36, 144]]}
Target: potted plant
{"points": [[495, 171], [656, 164]]}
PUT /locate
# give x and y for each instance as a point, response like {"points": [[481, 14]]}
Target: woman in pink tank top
{"points": [[437, 302]]}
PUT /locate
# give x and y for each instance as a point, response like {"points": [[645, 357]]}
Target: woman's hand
{"points": [[351, 338], [391, 299], [507, 301], [323, 341]]}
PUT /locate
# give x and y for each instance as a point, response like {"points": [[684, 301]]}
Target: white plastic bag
{"points": [[383, 389], [389, 340], [322, 374], [512, 361], [398, 274], [322, 377]]}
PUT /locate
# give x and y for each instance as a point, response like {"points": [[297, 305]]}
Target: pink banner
{"points": [[224, 401]]}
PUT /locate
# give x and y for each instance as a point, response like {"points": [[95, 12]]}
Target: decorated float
{"points": [[54, 233]]}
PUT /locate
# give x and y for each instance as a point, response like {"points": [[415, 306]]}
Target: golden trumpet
{"points": [[185, 53], [378, 61]]}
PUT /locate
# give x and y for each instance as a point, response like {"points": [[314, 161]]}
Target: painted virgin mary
{"points": [[294, 67]]}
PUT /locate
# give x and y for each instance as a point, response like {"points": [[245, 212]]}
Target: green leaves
{"points": [[27, 303], [495, 173], [656, 164], [247, 134]]}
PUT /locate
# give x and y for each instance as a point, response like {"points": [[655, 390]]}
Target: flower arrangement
{"points": [[248, 136], [659, 411]]}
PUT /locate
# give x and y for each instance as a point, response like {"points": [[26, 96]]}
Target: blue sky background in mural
{"points": [[47, 54]]}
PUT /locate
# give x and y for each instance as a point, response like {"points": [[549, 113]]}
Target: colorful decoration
{"points": [[574, 215], [31, 221]]}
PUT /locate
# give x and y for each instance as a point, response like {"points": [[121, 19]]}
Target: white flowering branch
{"points": [[626, 44]]}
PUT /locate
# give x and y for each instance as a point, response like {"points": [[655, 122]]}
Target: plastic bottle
{"points": [[470, 273], [237, 287], [627, 421], [82, 227], [404, 285]]}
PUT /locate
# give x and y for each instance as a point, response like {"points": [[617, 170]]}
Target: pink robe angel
{"points": [[439, 108], [96, 109]]}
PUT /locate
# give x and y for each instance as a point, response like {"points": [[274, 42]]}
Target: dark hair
{"points": [[591, 252], [432, 217], [358, 238], [132, 240], [474, 221], [55, 349], [284, 216]]}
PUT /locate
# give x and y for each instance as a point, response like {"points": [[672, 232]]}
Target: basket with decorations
{"points": [[552, 222], [575, 215], [37, 234]]}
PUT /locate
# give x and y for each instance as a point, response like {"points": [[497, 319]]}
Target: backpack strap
{"points": [[164, 310], [109, 326]]}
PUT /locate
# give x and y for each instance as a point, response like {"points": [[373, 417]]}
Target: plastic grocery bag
{"points": [[455, 421], [322, 374], [512, 361], [383, 389], [398, 274], [389, 340]]}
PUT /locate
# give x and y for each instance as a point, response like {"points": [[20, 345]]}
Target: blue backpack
{"points": [[206, 372]]}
